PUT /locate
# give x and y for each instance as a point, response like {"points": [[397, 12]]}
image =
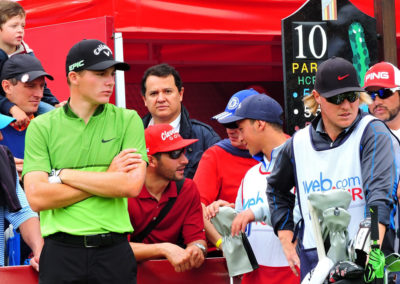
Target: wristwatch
{"points": [[203, 248], [54, 176]]}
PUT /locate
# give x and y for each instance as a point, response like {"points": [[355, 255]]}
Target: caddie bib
{"points": [[333, 169]]}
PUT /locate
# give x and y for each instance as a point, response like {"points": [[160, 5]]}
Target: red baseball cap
{"points": [[163, 138], [382, 74]]}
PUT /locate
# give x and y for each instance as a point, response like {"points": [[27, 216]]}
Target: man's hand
{"points": [[196, 256], [125, 161], [212, 209], [240, 222], [179, 258], [34, 262], [19, 163], [289, 249], [21, 118]]}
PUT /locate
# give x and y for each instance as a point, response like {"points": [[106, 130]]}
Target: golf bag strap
{"points": [[142, 235]]}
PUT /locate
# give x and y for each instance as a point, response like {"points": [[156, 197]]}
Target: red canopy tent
{"points": [[219, 47]]}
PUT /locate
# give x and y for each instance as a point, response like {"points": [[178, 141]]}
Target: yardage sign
{"points": [[317, 31]]}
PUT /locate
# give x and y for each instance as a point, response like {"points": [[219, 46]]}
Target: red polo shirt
{"points": [[185, 216]]}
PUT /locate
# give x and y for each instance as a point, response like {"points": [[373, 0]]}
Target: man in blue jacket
{"points": [[162, 92]]}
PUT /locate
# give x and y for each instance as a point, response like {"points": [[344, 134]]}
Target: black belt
{"points": [[90, 241]]}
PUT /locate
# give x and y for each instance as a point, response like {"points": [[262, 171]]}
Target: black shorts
{"points": [[65, 263]]}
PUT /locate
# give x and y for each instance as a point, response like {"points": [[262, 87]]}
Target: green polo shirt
{"points": [[61, 140]]}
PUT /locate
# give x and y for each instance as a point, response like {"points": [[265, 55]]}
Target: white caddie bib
{"points": [[333, 169]]}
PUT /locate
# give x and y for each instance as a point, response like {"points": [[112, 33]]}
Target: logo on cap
{"points": [[171, 134], [379, 75], [340, 78], [233, 103], [102, 47], [76, 65], [25, 78]]}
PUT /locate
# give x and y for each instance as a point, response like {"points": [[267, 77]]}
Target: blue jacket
{"points": [[192, 129]]}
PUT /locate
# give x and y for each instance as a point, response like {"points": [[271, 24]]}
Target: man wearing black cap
{"points": [[343, 149], [23, 81], [70, 176]]}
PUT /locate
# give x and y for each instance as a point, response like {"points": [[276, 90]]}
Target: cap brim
{"points": [[230, 119], [179, 145], [107, 64], [5, 120], [33, 75], [341, 91]]}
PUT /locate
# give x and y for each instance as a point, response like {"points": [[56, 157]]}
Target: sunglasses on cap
{"points": [[381, 93], [338, 99], [176, 153]]}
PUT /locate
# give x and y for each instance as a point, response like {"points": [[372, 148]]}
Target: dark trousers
{"points": [[65, 263]]}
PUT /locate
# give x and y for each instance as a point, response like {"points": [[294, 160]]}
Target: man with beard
{"points": [[167, 213], [382, 83]]}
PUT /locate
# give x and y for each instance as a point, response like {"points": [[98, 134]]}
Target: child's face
{"points": [[12, 31]]}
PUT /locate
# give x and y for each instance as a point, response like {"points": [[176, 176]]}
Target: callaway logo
{"points": [[340, 78], [108, 140], [169, 134], [379, 75], [102, 47]]}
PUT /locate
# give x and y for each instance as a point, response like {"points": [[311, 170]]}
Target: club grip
{"points": [[373, 210]]}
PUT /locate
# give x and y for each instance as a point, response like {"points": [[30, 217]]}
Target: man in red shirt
{"points": [[165, 186]]}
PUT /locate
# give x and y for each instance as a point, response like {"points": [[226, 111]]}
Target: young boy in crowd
{"points": [[12, 25]]}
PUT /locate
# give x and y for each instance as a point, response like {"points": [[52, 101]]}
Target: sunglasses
{"points": [[176, 153], [338, 99], [381, 93]]}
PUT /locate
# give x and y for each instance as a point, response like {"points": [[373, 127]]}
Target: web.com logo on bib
{"points": [[352, 184]]}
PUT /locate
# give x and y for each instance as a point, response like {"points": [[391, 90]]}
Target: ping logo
{"points": [[379, 75], [76, 65]]}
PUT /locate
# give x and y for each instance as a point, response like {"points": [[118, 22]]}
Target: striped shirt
{"points": [[16, 218]]}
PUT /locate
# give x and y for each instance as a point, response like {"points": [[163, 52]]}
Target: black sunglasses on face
{"points": [[338, 99], [176, 153], [381, 93]]}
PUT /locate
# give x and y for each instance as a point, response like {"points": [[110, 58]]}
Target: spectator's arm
{"points": [[177, 256], [211, 233], [107, 184], [30, 231], [5, 105], [43, 196]]}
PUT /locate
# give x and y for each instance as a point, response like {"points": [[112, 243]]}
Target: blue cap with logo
{"points": [[235, 100], [259, 107], [5, 120]]}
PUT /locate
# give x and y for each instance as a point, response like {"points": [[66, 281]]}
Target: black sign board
{"points": [[317, 31]]}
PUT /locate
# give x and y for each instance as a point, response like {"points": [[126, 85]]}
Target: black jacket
{"points": [[192, 129]]}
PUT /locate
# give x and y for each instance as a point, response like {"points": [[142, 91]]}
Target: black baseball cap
{"points": [[24, 68], [259, 107], [92, 54], [336, 76]]}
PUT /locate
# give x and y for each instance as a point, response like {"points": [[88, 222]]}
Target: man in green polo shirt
{"points": [[71, 179]]}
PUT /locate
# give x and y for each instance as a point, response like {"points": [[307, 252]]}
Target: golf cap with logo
{"points": [[383, 75], [259, 107], [24, 68], [92, 54], [235, 100], [5, 120], [163, 138], [336, 76]]}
